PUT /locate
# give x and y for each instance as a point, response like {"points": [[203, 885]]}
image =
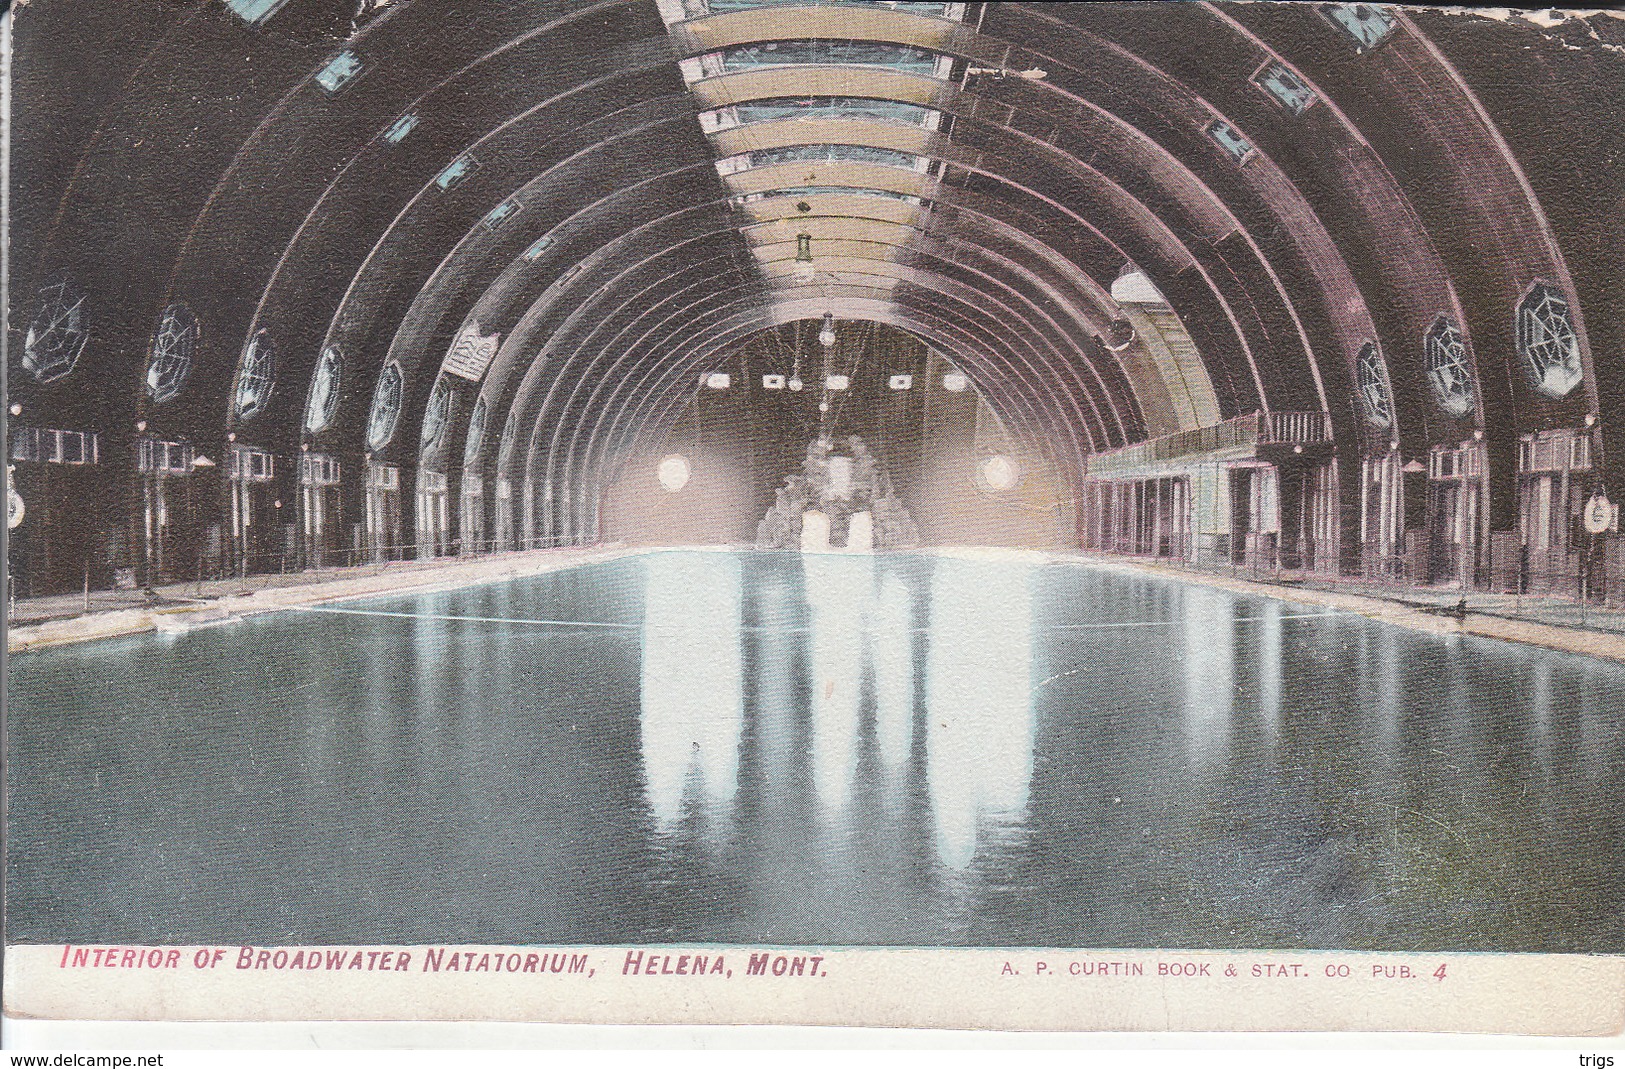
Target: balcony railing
{"points": [[1242, 432], [1554, 451]]}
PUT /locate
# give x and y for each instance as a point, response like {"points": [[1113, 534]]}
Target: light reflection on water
{"points": [[830, 749], [979, 705], [693, 703]]}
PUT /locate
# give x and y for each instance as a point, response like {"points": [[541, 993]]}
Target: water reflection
{"points": [[1268, 652], [1209, 656], [840, 590], [774, 706], [979, 714], [892, 643], [693, 705]]}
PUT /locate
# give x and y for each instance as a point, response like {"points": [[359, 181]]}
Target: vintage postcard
{"points": [[1090, 517]]}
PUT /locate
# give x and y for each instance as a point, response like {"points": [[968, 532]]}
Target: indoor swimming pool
{"points": [[690, 746]]}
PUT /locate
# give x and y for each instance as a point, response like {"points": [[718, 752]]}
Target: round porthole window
{"points": [[673, 472], [999, 473]]}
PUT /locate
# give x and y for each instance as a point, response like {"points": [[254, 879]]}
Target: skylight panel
{"points": [[819, 108], [456, 171], [400, 128], [1284, 85], [934, 10], [1226, 137], [501, 213], [1367, 25], [810, 191], [903, 58], [340, 71], [255, 12], [539, 246], [767, 157]]}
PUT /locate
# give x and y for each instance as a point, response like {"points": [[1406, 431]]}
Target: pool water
{"points": [[840, 750]]}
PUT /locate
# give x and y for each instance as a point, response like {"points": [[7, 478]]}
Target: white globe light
{"points": [[673, 472], [999, 472], [795, 383]]}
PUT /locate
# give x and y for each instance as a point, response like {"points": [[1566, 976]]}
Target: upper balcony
{"points": [[1239, 438]]}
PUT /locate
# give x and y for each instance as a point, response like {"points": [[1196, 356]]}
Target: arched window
{"points": [[172, 350], [1448, 369], [323, 403], [386, 407], [435, 415], [57, 332], [1547, 342], [257, 375], [1375, 394], [476, 432]]}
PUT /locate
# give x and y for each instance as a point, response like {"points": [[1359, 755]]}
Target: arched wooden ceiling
{"points": [[554, 187]]}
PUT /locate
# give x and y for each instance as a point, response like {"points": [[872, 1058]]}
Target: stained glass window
{"points": [[1284, 85], [1372, 373], [256, 376], [172, 350], [435, 415], [57, 332], [476, 433], [1449, 371], [323, 403], [539, 246], [1547, 343], [510, 427], [386, 407]]}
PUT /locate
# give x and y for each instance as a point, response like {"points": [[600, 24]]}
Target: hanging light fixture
{"points": [[826, 336]]}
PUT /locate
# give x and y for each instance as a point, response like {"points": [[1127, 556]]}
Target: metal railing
{"points": [[209, 576], [1241, 432], [1575, 596]]}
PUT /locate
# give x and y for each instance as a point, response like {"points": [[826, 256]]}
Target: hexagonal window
{"points": [[323, 403], [1450, 371], [1547, 343], [173, 348], [57, 332], [386, 407], [476, 433], [257, 375], [1375, 395], [437, 414]]}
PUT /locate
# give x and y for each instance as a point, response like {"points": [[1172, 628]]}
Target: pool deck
{"points": [[1437, 611], [38, 623]]}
